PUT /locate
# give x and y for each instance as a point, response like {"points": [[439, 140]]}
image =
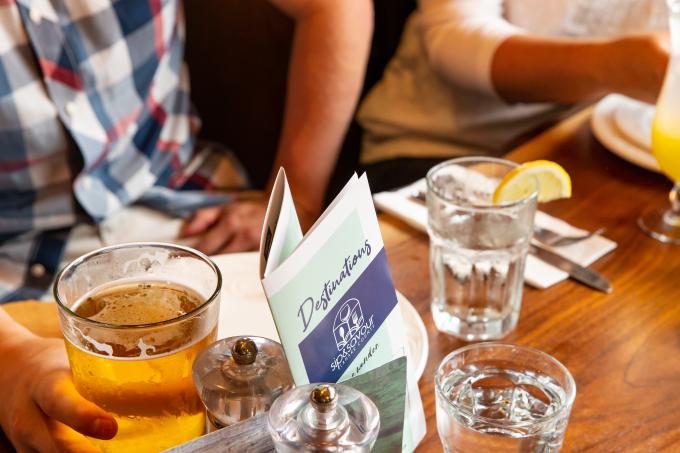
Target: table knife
{"points": [[579, 273]]}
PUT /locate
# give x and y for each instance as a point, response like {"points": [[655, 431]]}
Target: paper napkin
{"points": [[537, 273]]}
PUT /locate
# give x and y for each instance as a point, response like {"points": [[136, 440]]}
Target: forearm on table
{"points": [[326, 70], [529, 68]]}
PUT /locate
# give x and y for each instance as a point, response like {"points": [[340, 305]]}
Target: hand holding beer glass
{"points": [[134, 317]]}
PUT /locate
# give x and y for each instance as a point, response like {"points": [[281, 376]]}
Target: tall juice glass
{"points": [[134, 317], [664, 225]]}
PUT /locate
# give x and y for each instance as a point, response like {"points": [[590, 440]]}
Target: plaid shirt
{"points": [[94, 115]]}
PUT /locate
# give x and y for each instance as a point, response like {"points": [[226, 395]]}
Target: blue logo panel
{"points": [[341, 335]]}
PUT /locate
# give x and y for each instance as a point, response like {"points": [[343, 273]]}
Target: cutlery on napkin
{"points": [[577, 272], [537, 273]]}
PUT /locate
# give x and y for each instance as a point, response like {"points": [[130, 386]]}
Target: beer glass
{"points": [[134, 317]]}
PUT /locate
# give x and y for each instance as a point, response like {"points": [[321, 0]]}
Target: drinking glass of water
{"points": [[477, 248], [502, 398]]}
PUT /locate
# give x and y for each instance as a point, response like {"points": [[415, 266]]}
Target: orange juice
{"points": [[666, 127], [666, 149]]}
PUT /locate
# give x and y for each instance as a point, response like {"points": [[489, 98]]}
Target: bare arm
{"points": [[528, 68], [330, 49], [470, 44], [40, 407], [326, 70]]}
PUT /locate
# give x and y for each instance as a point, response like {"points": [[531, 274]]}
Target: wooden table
{"points": [[623, 349]]}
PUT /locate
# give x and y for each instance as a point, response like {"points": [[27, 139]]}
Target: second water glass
{"points": [[477, 248], [502, 398]]}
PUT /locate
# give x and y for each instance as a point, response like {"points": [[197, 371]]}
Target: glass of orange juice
{"points": [[134, 317], [664, 225]]}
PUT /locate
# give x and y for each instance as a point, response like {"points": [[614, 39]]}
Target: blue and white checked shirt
{"points": [[94, 115]]}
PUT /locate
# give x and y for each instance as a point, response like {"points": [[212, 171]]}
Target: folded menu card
{"points": [[331, 294]]}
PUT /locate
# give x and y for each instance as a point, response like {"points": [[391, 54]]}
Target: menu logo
{"points": [[351, 333], [347, 323], [345, 333]]}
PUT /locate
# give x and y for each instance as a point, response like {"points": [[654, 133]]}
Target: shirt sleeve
{"points": [[460, 38]]}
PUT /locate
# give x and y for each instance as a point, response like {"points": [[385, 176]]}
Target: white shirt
{"points": [[436, 98]]}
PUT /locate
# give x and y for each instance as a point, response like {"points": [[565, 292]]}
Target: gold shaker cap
{"points": [[324, 397], [244, 351]]}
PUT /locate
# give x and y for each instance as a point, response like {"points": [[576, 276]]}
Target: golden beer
{"points": [[131, 345]]}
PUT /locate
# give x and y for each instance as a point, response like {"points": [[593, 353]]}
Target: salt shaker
{"points": [[238, 378], [323, 418]]}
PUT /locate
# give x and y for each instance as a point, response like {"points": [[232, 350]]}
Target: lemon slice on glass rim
{"points": [[553, 183]]}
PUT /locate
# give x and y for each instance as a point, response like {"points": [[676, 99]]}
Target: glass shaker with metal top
{"points": [[238, 378], [324, 418]]}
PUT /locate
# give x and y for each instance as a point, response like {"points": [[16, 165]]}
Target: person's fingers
{"points": [[26, 449], [58, 399], [237, 244], [200, 221], [217, 236], [242, 242], [29, 432], [67, 440]]}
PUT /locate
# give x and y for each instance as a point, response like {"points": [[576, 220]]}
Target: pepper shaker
{"points": [[239, 377], [323, 418]]}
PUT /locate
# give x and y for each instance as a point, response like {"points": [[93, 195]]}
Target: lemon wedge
{"points": [[553, 183]]}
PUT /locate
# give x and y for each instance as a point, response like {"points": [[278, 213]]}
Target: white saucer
{"points": [[634, 120], [608, 130], [244, 309]]}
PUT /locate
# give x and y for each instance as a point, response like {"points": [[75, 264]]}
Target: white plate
{"points": [[244, 309], [634, 120], [606, 130]]}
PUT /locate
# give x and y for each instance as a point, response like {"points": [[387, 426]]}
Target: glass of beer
{"points": [[134, 317]]}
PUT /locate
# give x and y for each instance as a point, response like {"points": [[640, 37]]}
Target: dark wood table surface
{"points": [[623, 348]]}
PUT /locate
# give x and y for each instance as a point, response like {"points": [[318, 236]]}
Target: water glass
{"points": [[477, 248], [502, 398]]}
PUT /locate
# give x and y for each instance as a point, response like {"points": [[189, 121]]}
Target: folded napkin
{"points": [[536, 272]]}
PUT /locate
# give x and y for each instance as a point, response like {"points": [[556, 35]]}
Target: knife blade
{"points": [[579, 273]]}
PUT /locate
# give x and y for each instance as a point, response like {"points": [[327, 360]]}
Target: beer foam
{"points": [[141, 303], [137, 303], [124, 312]]}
